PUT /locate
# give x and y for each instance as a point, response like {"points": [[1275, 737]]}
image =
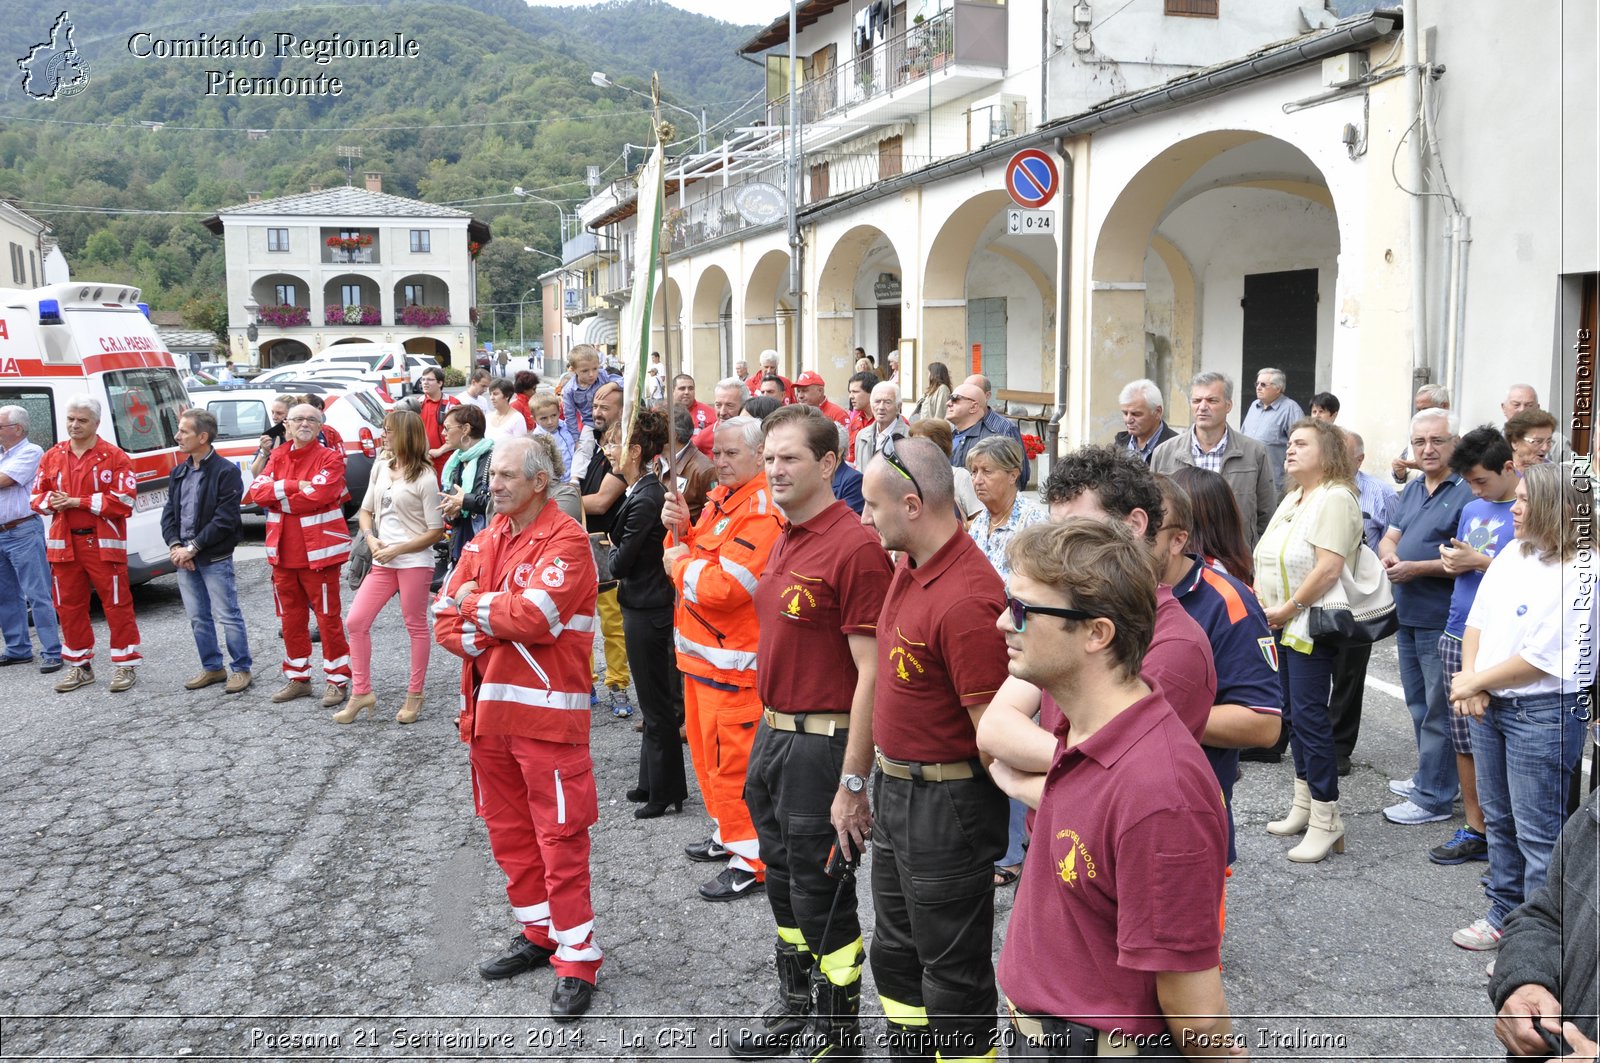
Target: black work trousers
{"points": [[789, 789], [648, 635], [1349, 688], [934, 849]]}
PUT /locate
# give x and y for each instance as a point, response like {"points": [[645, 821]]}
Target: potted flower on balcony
{"points": [[473, 248], [364, 240], [424, 316], [286, 316], [334, 243]]}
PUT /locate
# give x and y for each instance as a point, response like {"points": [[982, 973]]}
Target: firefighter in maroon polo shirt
{"points": [[817, 606], [1113, 941], [938, 816]]}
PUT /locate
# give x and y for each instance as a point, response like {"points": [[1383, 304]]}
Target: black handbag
{"points": [[1358, 610]]}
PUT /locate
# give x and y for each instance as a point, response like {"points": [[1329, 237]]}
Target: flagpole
{"points": [[663, 137]]}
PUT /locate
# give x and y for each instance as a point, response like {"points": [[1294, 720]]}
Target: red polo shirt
{"points": [[939, 653], [825, 580], [754, 384], [432, 412], [834, 412], [1178, 660], [1124, 877]]}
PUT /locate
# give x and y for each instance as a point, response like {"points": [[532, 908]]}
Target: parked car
{"points": [[388, 363], [243, 417]]}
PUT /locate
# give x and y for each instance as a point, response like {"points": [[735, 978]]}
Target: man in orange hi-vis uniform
{"points": [[714, 566]]}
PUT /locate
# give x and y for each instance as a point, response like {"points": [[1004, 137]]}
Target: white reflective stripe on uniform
{"points": [[572, 954], [126, 500], [55, 544], [328, 551], [442, 604], [321, 518], [691, 580], [531, 913], [125, 652], [469, 641], [731, 660], [116, 593], [324, 598], [561, 798], [581, 622], [112, 544], [527, 656], [745, 577], [96, 501], [337, 662], [281, 489], [541, 699], [547, 606], [273, 516], [485, 602], [575, 936], [298, 661], [761, 502]]}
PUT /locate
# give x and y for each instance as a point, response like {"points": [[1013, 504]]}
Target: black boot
{"points": [[835, 1034], [783, 1021], [910, 1042]]}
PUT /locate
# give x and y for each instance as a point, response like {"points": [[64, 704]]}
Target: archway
{"points": [[1165, 296], [769, 314], [667, 312], [711, 324], [858, 303], [282, 352]]}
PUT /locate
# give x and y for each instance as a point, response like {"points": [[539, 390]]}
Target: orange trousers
{"points": [[721, 725]]}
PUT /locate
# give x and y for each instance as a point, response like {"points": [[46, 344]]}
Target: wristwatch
{"points": [[854, 783]]}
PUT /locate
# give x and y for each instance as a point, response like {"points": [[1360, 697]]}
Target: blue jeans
{"points": [[1524, 750], [1307, 682], [208, 587], [1016, 835], [1422, 676], [25, 585]]}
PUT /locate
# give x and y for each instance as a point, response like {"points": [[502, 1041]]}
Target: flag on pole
{"points": [[635, 336]]}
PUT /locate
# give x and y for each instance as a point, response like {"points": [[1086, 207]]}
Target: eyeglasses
{"points": [[1532, 441], [1020, 611], [1435, 442], [305, 420], [889, 455]]}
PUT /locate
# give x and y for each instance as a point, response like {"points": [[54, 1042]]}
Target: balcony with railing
{"points": [[952, 54], [346, 246]]}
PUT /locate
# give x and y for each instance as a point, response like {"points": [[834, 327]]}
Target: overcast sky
{"points": [[740, 12]]}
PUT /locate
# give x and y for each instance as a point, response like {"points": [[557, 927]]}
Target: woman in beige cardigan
{"points": [[401, 520]]}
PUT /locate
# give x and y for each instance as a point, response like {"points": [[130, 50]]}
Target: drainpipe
{"points": [[1412, 179], [1052, 430], [794, 188]]}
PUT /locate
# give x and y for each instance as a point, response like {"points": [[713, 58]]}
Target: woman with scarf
{"points": [[464, 499]]}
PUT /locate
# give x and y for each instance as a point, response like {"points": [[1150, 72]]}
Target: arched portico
{"points": [[710, 347], [858, 302], [769, 313]]}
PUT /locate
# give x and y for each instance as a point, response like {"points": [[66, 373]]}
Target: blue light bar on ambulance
{"points": [[49, 312], [144, 308]]}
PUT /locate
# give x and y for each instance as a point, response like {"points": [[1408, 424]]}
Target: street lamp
{"points": [[522, 343], [599, 80], [536, 251], [560, 210]]}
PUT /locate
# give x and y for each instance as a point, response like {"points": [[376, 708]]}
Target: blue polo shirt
{"points": [[1427, 522], [1245, 654], [847, 487], [1486, 527]]}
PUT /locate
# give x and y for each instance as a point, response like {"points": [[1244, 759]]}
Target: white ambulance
{"points": [[94, 338]]}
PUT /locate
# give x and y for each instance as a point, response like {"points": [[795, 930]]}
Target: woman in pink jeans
{"points": [[401, 521]]}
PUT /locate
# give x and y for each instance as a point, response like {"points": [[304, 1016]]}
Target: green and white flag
{"points": [[635, 337]]}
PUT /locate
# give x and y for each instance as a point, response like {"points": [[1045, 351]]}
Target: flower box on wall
{"points": [[283, 316], [355, 314], [424, 316]]}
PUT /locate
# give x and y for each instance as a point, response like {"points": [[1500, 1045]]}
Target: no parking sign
{"points": [[1032, 178]]}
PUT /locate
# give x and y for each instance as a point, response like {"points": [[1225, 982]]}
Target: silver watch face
{"points": [[854, 783]]}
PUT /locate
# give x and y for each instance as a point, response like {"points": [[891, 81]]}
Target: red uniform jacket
{"points": [[305, 528], [526, 630], [716, 631], [104, 480], [432, 414]]}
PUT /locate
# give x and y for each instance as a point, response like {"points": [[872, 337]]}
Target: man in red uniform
{"points": [[1113, 946], [435, 404], [87, 487], [938, 816], [702, 416], [520, 612], [769, 365], [811, 389], [727, 400], [715, 565], [302, 489], [817, 609]]}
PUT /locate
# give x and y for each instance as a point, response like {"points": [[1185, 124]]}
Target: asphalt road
{"points": [[202, 876]]}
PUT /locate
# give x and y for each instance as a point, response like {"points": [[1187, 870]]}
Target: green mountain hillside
{"points": [[497, 96]]}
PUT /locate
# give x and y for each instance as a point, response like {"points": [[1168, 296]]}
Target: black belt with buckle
{"points": [[8, 525], [82, 531]]}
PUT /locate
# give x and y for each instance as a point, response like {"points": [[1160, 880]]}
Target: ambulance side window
{"points": [[144, 405], [41, 413], [239, 418]]}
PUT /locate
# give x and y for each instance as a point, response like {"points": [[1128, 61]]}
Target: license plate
{"points": [[150, 500]]}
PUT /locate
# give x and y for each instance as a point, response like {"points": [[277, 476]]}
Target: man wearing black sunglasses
{"points": [[1113, 943], [939, 816]]}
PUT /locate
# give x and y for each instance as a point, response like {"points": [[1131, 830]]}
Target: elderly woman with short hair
{"points": [[1531, 434]]}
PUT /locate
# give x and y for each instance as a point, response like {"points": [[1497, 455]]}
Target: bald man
{"points": [[992, 424]]}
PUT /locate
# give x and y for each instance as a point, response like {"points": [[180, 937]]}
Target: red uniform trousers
{"points": [[296, 591], [721, 725], [70, 583], [538, 800]]}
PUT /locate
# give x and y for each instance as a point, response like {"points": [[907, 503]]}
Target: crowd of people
{"points": [[872, 640]]}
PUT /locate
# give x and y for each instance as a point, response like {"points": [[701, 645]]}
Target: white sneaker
{"points": [[1410, 815], [1401, 787], [1479, 937]]}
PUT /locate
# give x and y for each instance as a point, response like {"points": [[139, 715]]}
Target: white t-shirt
{"points": [[514, 425], [1543, 612]]}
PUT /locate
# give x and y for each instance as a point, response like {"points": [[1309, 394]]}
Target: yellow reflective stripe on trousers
{"points": [[842, 966], [790, 935], [903, 1013]]}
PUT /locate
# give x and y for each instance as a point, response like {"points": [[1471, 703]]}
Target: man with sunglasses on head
{"points": [[817, 606], [1113, 945], [939, 817]]}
